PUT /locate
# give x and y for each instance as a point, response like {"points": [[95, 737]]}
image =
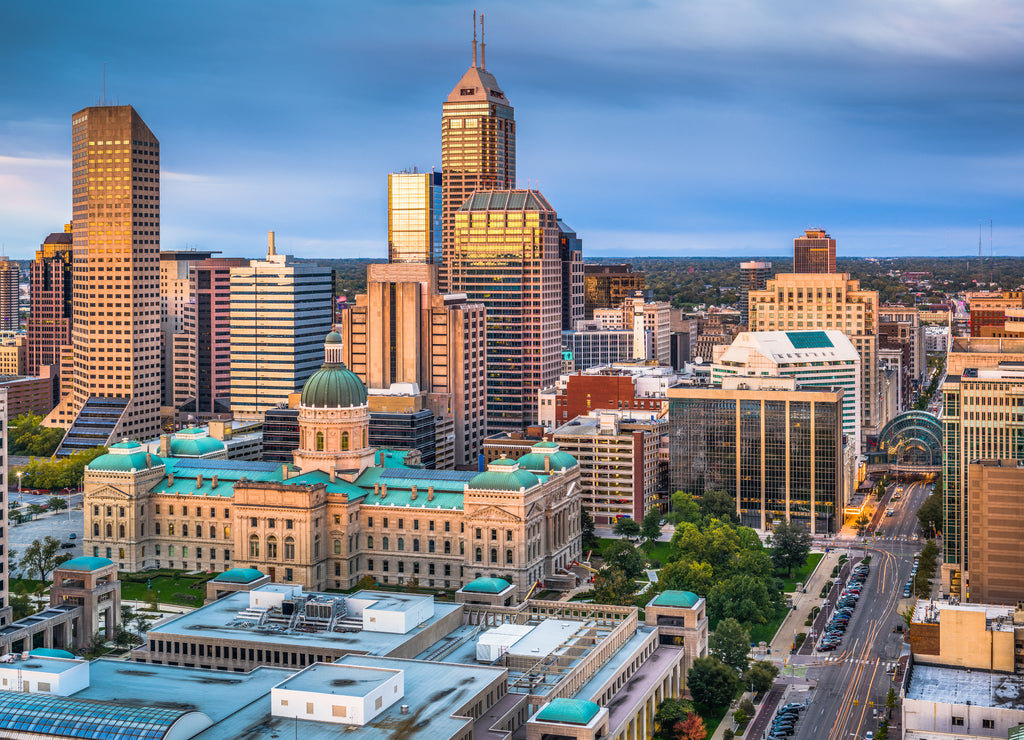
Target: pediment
{"points": [[492, 514], [107, 493]]}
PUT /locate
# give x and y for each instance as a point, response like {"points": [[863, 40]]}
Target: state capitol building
{"points": [[342, 511]]}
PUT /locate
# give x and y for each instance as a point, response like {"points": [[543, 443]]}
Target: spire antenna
{"points": [[483, 45], [474, 38]]}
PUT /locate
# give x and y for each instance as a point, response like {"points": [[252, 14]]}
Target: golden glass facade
{"points": [[411, 217], [478, 149], [506, 256]]}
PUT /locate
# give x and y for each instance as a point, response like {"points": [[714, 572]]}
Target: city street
{"points": [[59, 524], [852, 682]]}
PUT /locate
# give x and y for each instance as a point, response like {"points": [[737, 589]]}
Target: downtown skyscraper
{"points": [[116, 373], [478, 146]]}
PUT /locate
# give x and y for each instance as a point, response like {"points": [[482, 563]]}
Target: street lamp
{"points": [[20, 473]]}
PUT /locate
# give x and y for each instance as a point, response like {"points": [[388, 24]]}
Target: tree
{"points": [[691, 728], [650, 527], [862, 523], [730, 643], [719, 505], [412, 584], [687, 575], [890, 701], [141, 624], [682, 508], [613, 586], [587, 528], [931, 513], [791, 544], [36, 509], [745, 598], [712, 682], [57, 503], [760, 676], [627, 528], [27, 436], [21, 605], [43, 556], [623, 554], [670, 712]]}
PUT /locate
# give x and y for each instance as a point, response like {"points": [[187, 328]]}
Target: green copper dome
{"points": [[535, 460], [333, 386], [503, 474], [570, 711], [194, 443], [686, 599], [239, 575], [124, 457], [487, 586]]}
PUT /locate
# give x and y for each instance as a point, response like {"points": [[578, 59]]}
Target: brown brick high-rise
{"points": [[116, 307], [814, 252]]}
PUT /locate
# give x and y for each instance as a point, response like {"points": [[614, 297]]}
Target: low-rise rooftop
{"points": [[962, 686]]}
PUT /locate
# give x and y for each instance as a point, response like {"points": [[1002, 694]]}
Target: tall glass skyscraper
{"points": [[478, 147], [506, 256], [414, 217]]}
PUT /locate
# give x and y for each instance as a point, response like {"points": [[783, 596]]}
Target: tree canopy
{"points": [[42, 556], [712, 682], [628, 528], [58, 474], [27, 436], [730, 643], [791, 544]]}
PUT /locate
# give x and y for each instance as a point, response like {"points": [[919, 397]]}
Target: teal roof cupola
{"points": [[125, 457], [239, 575], [194, 443], [545, 458], [503, 474], [86, 563], [568, 711], [333, 386], [487, 586]]}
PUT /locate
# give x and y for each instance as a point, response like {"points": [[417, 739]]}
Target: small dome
{"points": [[333, 338], [568, 711], [194, 443], [686, 599], [503, 474], [487, 586], [558, 460], [86, 563], [239, 575], [124, 457], [52, 653]]}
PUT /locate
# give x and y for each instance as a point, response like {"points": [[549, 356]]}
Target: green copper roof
{"points": [[86, 563], [569, 711], [189, 445], [333, 338], [333, 386], [686, 599], [535, 461], [495, 480], [124, 457], [503, 462], [239, 575], [546, 445], [809, 339], [487, 586]]}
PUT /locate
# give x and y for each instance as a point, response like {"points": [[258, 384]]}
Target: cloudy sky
{"points": [[662, 127]]}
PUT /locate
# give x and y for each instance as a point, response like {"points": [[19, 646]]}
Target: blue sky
{"points": [[705, 127]]}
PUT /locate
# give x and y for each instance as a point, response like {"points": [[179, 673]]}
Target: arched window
{"points": [[494, 555], [110, 531], [386, 543], [272, 547], [170, 528], [254, 546], [120, 531], [184, 530], [479, 555], [227, 532], [344, 440], [508, 557], [337, 547], [369, 542], [289, 548], [401, 543], [319, 441]]}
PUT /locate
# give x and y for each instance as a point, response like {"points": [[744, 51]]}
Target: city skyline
{"points": [[892, 126]]}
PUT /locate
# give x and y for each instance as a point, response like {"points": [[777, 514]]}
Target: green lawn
{"points": [[169, 589], [801, 574], [765, 632], [712, 716], [659, 551]]}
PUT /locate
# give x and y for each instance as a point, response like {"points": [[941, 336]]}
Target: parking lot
{"points": [[58, 524]]}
